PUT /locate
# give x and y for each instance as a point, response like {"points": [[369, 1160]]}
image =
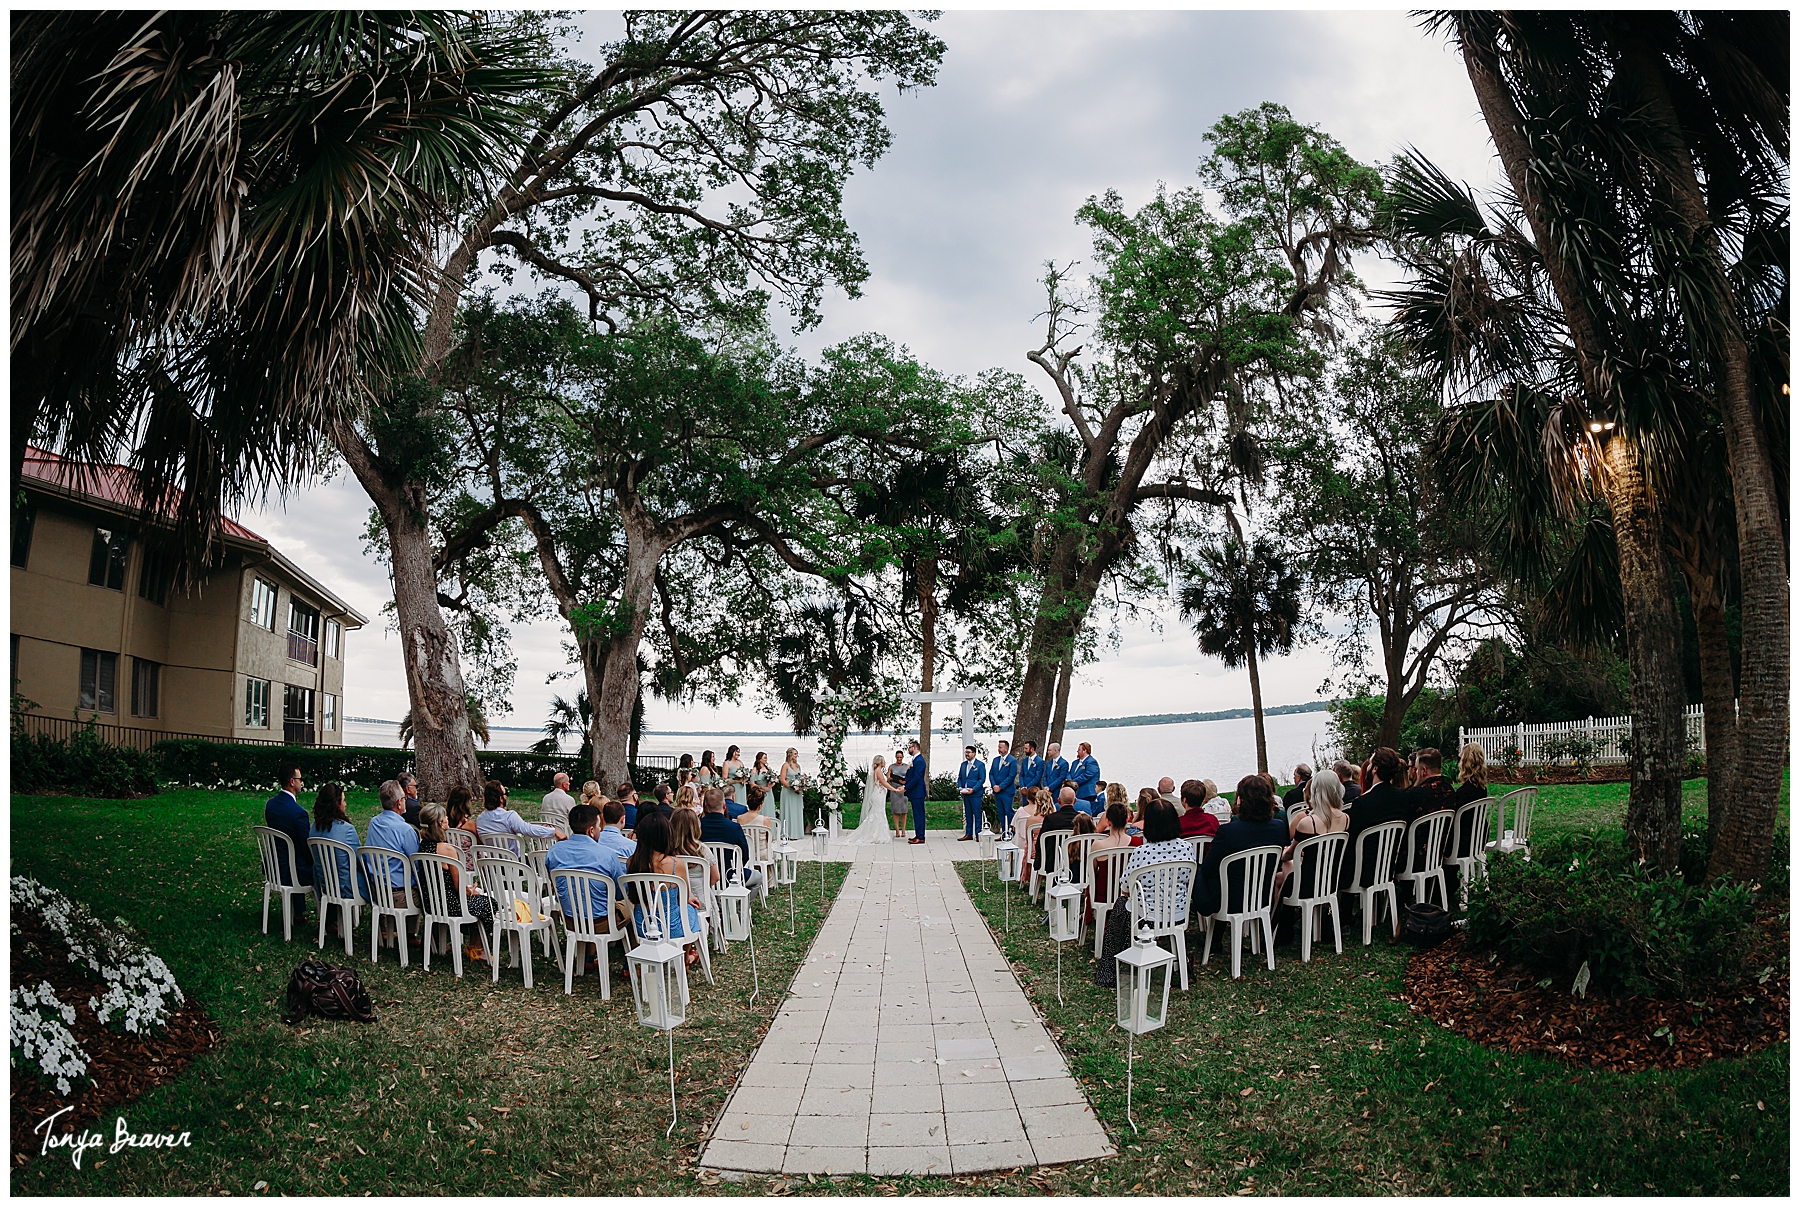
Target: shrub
{"points": [[942, 787], [225, 765], [1584, 899], [83, 763]]}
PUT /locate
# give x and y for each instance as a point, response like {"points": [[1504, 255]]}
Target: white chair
{"points": [[378, 866], [1424, 861], [1255, 870], [1161, 894], [697, 871], [1200, 844], [1105, 874], [1058, 863], [1030, 845], [728, 858], [1075, 862], [464, 842], [762, 857], [1374, 850], [1468, 845], [1524, 803], [1318, 860], [280, 876], [513, 884], [338, 880], [582, 927], [436, 896], [502, 843], [656, 895]]}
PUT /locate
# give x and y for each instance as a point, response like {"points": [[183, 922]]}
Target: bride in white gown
{"points": [[872, 830]]}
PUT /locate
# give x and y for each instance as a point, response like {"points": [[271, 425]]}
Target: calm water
{"points": [[1222, 751]]}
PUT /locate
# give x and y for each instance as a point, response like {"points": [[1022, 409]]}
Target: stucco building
{"points": [[254, 651]]}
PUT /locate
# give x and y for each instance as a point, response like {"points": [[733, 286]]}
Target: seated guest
{"points": [[1472, 770], [653, 855], [456, 810], [657, 804], [584, 851], [1216, 804], [687, 797], [611, 834], [1144, 797], [1324, 815], [1297, 793], [1165, 788], [1255, 827], [1197, 821], [330, 821], [410, 786], [1116, 792], [627, 796], [1162, 841], [1432, 789], [716, 827], [753, 813], [1116, 829], [1381, 802], [283, 812], [1347, 776], [553, 810], [684, 840], [388, 830], [1061, 820], [498, 819], [434, 823], [591, 796]]}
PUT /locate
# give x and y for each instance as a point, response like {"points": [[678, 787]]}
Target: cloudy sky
{"points": [[1034, 113]]}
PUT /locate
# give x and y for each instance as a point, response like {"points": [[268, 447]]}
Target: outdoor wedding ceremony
{"points": [[829, 572]]}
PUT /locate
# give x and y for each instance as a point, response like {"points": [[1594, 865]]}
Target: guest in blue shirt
{"points": [[330, 821], [389, 831], [582, 851], [716, 827], [971, 778], [1003, 773], [283, 812], [611, 837], [628, 800]]}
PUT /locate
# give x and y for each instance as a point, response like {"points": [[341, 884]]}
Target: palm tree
{"points": [[568, 719], [1244, 604], [478, 724]]}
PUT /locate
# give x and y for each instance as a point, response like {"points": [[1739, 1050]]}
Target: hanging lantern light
{"points": [[1007, 857], [1144, 972], [734, 909], [821, 842], [987, 839], [659, 989], [787, 863], [1067, 905]]}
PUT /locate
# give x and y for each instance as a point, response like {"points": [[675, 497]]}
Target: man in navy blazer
{"points": [[283, 812], [915, 792], [971, 778], [1056, 770]]}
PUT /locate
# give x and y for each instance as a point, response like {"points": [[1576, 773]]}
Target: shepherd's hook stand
{"points": [[673, 1114]]}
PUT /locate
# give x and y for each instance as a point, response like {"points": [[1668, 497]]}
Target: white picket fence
{"points": [[1606, 731]]}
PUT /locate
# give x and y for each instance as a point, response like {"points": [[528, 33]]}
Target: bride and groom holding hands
{"points": [[895, 787]]}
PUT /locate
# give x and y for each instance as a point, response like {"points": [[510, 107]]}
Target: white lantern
{"points": [[987, 838], [1144, 971], [1007, 856], [821, 841], [658, 982], [734, 909], [1066, 901], [787, 863]]}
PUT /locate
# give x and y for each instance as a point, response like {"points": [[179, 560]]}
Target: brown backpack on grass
{"points": [[327, 991]]}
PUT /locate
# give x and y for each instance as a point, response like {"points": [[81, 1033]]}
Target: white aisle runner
{"points": [[906, 1044]]}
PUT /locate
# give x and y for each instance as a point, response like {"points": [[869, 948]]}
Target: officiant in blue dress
{"points": [[1003, 774]]}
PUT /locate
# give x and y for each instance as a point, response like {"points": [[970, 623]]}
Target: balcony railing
{"points": [[302, 648]]}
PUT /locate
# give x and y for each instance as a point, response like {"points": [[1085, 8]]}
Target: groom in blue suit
{"points": [[915, 792]]}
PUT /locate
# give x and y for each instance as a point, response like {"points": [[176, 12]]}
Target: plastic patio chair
{"points": [[1318, 860], [1105, 874], [278, 856], [1161, 894], [378, 865], [1374, 849], [1254, 916], [697, 871], [1468, 845], [656, 894], [513, 883], [432, 874], [334, 865], [762, 857], [1030, 847], [464, 842], [1524, 803], [1423, 865], [582, 927]]}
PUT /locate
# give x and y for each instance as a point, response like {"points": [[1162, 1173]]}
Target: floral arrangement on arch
{"points": [[868, 705]]}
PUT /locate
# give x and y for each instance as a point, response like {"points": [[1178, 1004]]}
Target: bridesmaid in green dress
{"points": [[737, 778], [761, 774], [709, 776], [793, 805]]}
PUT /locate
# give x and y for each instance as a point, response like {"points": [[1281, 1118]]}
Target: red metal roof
{"points": [[115, 484]]}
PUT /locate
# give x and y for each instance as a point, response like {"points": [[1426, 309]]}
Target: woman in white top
{"points": [[872, 828]]}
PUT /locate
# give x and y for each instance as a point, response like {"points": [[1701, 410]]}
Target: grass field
{"points": [[1311, 1079]]}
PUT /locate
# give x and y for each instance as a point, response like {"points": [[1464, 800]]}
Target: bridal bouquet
{"points": [[802, 783]]}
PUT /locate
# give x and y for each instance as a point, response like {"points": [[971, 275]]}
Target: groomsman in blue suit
{"points": [[971, 778], [1003, 773], [1031, 767], [1085, 771], [1056, 769]]}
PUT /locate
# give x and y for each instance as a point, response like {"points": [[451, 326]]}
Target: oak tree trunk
{"points": [[1064, 675], [619, 681]]}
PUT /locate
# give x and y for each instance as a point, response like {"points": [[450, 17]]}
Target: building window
{"points": [[334, 639], [328, 713], [106, 565], [297, 715], [303, 633], [256, 703], [153, 576], [262, 604], [99, 679], [146, 679], [24, 519]]}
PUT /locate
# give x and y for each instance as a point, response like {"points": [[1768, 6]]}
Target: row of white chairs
{"points": [[1311, 887], [516, 881]]}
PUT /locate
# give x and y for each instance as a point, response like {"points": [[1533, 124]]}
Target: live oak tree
{"points": [[1201, 321], [693, 170]]}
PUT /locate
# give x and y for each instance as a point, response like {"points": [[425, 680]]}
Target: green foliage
{"points": [[1242, 601], [227, 765], [83, 762], [1429, 721], [1577, 746], [942, 787], [1584, 899]]}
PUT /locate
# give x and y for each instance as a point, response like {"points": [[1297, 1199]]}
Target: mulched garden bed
{"points": [[1503, 1006], [122, 1066]]}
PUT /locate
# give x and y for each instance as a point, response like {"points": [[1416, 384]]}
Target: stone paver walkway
{"points": [[906, 1044]]}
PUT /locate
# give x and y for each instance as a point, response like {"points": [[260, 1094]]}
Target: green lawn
{"points": [[1347, 1091], [338, 1108]]}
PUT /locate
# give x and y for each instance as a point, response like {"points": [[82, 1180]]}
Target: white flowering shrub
{"points": [[41, 1037], [867, 703], [140, 990]]}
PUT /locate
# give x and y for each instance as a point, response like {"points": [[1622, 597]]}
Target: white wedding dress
{"points": [[872, 830]]}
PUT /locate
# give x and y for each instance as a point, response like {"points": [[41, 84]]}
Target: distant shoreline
{"points": [[1161, 718]]}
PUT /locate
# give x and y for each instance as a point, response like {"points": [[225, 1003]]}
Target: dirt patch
{"points": [[1504, 1006], [122, 1067]]}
